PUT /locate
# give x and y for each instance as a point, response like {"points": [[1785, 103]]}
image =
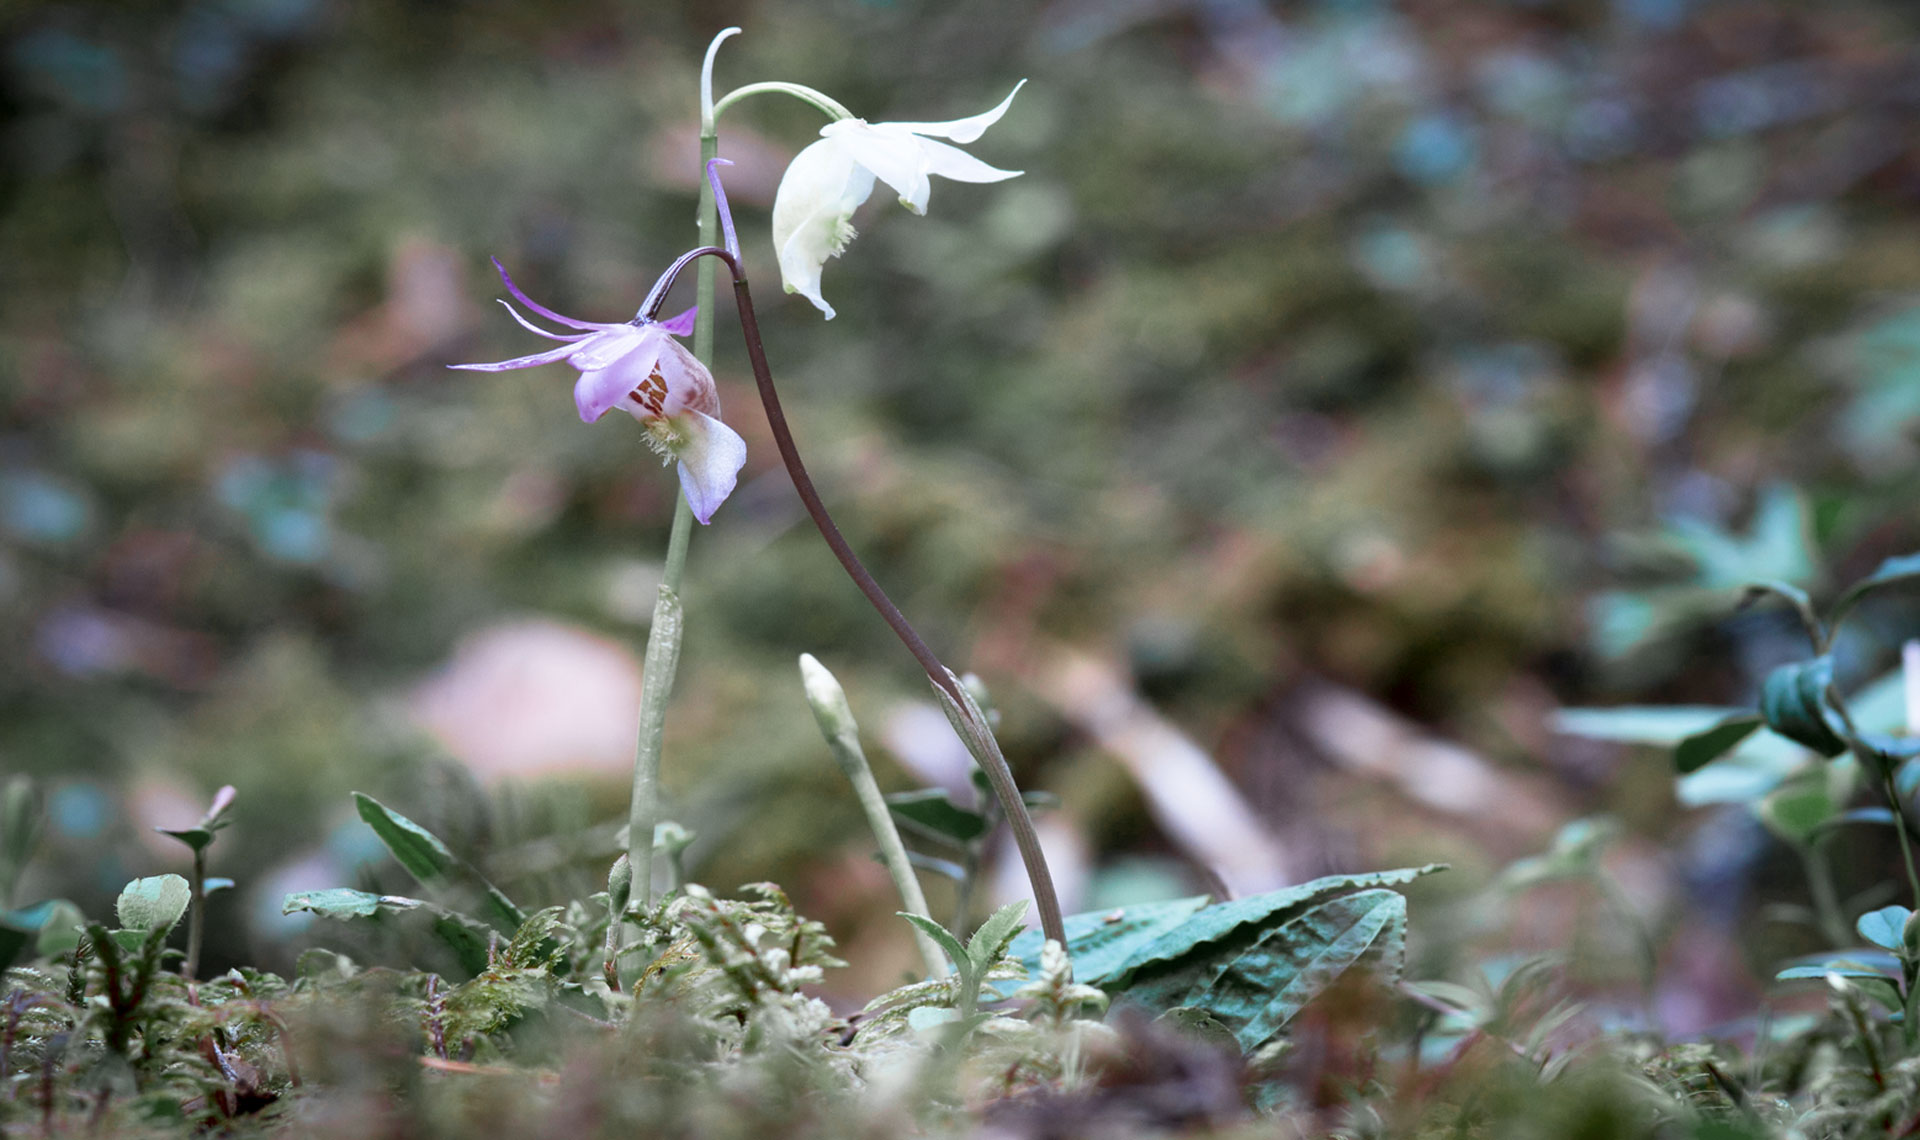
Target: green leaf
{"points": [[343, 903], [1218, 931], [1255, 986], [994, 934], [932, 809], [1885, 928], [1798, 808], [1100, 942], [1904, 568], [1845, 970], [1040, 801], [36, 926], [418, 850], [429, 860], [154, 903], [1663, 725], [1702, 748], [196, 838], [1295, 964], [468, 938], [1793, 701], [1798, 599], [944, 938]]}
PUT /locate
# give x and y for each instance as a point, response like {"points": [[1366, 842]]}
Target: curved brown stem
{"points": [[959, 705]]}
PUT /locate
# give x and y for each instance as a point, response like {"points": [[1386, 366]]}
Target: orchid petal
{"points": [[711, 455], [963, 130], [537, 307], [952, 162], [534, 361], [689, 385], [681, 325], [604, 348], [811, 211], [893, 158], [605, 386], [536, 329]]}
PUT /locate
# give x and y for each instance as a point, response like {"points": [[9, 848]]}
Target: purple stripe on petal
{"points": [[681, 325], [537, 307]]}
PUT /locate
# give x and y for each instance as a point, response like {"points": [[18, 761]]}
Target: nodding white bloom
{"points": [[638, 367], [830, 178]]}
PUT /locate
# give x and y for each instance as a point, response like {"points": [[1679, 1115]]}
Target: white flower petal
{"points": [[811, 214], [964, 130], [894, 157], [952, 162], [711, 455]]}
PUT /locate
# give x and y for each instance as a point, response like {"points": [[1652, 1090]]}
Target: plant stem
{"points": [[1826, 902], [663, 635], [196, 914], [1900, 829], [958, 704], [843, 740]]}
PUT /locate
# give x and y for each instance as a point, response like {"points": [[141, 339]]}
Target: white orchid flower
{"points": [[829, 179]]}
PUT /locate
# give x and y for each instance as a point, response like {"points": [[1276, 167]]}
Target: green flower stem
{"points": [[842, 734], [663, 635], [962, 712], [1826, 900], [805, 94]]}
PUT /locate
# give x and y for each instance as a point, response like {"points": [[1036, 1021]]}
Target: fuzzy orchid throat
{"points": [[638, 367]]}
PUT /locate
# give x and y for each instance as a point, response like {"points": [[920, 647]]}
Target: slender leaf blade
{"points": [[1702, 748], [934, 810]]}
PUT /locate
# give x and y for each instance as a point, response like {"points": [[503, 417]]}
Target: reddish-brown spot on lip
{"points": [[652, 393]]}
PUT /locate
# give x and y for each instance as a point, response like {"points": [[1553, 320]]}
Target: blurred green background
{"points": [[1345, 386]]}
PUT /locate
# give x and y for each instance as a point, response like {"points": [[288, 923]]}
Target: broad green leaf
{"points": [[429, 860], [1217, 932], [1256, 987], [1701, 749], [417, 849], [1101, 942], [1905, 568], [943, 937], [1663, 725], [1295, 964], [994, 934], [154, 903], [1853, 963], [36, 926], [1755, 767], [1885, 928], [1793, 701], [1796, 809], [468, 938], [932, 809], [344, 902]]}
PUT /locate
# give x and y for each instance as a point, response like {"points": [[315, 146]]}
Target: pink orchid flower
{"points": [[638, 367]]}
